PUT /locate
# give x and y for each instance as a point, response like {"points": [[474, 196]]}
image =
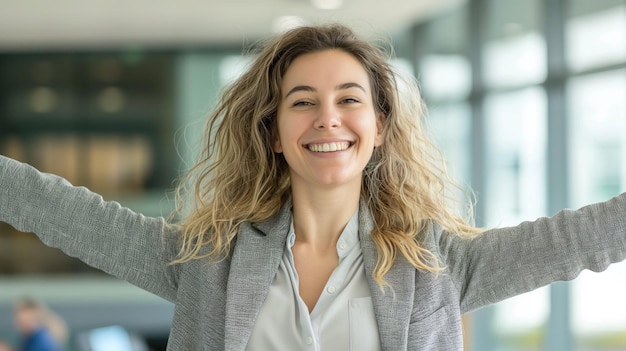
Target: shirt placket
{"points": [[307, 332], [309, 323]]}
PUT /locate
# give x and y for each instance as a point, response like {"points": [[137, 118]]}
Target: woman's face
{"points": [[327, 124]]}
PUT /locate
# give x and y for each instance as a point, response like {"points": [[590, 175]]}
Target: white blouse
{"points": [[343, 318]]}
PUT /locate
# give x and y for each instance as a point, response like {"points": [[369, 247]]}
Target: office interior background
{"points": [[526, 98]]}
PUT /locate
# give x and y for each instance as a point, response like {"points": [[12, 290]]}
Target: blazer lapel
{"points": [[392, 305], [254, 263]]}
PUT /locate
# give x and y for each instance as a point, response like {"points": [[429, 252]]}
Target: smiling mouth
{"points": [[329, 147]]}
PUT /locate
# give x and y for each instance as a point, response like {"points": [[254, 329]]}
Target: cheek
{"points": [[290, 130], [367, 127]]}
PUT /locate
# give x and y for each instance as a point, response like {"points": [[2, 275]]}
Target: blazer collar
{"points": [[392, 304], [255, 261]]}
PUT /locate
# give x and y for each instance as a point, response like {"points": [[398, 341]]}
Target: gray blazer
{"points": [[217, 304]]}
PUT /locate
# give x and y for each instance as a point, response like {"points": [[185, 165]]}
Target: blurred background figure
{"points": [[40, 328], [4, 346]]}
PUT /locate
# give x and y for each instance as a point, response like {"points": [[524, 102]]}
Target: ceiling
{"points": [[45, 24]]}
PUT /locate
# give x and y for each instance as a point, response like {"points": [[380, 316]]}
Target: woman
{"points": [[318, 218]]}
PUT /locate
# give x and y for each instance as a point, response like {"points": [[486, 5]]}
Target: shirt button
{"points": [[342, 246], [331, 289], [309, 340]]}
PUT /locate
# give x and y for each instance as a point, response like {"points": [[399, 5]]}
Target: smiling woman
{"points": [[320, 85], [318, 220]]}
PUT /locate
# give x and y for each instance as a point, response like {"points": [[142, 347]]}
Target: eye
{"points": [[349, 101], [302, 103]]}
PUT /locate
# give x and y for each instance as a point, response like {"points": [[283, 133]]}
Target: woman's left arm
{"points": [[505, 262]]}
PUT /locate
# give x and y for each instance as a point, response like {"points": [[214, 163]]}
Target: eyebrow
{"points": [[308, 88]]}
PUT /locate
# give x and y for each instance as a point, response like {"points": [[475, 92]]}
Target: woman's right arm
{"points": [[101, 233]]}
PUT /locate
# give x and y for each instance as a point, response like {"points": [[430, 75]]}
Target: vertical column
{"points": [[482, 321], [559, 333], [477, 18]]}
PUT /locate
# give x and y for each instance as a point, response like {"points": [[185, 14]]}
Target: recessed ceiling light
{"points": [[327, 4], [285, 23]]}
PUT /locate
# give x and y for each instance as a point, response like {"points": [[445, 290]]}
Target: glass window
{"points": [[598, 168], [595, 33], [444, 69], [599, 309], [515, 51], [450, 125], [598, 136], [515, 156], [445, 76], [520, 322]]}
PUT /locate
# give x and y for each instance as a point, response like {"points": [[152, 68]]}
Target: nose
{"points": [[328, 117]]}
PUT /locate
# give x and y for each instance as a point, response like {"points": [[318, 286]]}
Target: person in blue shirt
{"points": [[30, 321]]}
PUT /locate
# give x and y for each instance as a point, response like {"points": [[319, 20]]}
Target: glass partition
{"points": [[597, 106]]}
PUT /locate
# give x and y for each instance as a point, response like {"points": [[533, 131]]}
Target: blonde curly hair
{"points": [[239, 178]]}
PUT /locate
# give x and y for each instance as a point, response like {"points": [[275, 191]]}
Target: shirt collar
{"points": [[347, 240], [349, 237]]}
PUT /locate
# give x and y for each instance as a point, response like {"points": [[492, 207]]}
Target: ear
{"points": [[380, 122], [276, 145]]}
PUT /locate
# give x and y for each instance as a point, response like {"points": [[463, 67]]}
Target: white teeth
{"points": [[329, 147]]}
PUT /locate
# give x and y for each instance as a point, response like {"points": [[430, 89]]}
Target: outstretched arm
{"points": [[502, 263], [103, 234]]}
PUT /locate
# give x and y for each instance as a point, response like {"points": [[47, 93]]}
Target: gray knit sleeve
{"points": [[502, 263], [103, 234]]}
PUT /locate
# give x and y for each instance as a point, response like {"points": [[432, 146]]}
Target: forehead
{"points": [[327, 68]]}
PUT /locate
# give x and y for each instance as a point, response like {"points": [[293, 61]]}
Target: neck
{"points": [[320, 215]]}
